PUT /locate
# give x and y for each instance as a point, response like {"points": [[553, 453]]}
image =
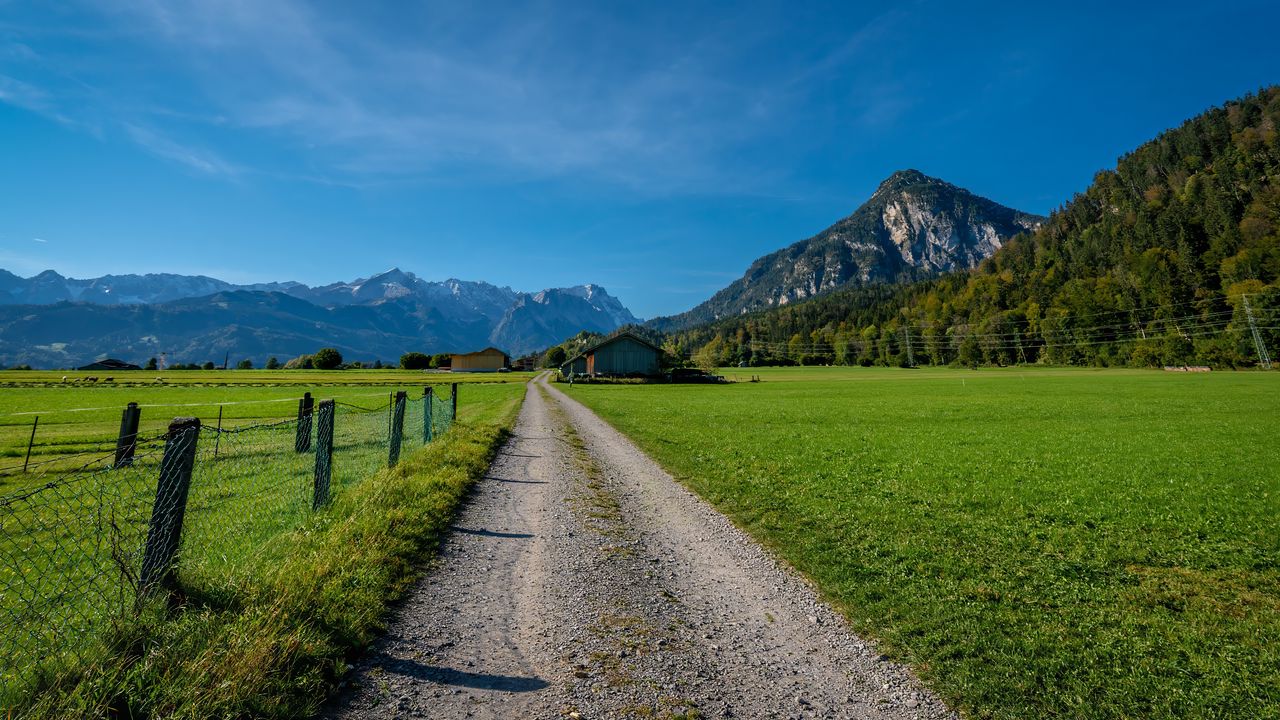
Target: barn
{"points": [[624, 354], [490, 359]]}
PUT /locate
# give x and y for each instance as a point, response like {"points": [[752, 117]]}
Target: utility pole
{"points": [[906, 338], [1263, 358]]}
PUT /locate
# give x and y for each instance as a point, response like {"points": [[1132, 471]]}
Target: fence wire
{"points": [[74, 545], [70, 553]]}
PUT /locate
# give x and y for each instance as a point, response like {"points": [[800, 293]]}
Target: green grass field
{"points": [[65, 536], [1036, 542], [83, 420]]}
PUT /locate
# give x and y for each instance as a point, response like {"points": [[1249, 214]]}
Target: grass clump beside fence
{"points": [[262, 622], [1037, 543]]}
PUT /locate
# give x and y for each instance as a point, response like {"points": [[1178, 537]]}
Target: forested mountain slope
{"points": [[1151, 265]]}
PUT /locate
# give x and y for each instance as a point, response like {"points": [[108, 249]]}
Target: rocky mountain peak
{"points": [[906, 178], [913, 226]]}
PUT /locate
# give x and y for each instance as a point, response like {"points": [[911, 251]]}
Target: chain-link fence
{"points": [[200, 511]]}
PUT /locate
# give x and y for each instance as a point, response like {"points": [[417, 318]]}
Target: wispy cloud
{"points": [[451, 94], [26, 96], [204, 161], [39, 240]]}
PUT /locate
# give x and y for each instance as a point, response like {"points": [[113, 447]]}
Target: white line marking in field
{"points": [[199, 404]]}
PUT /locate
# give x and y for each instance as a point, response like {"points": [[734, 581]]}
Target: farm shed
{"points": [[490, 359], [110, 364], [622, 354], [575, 366]]}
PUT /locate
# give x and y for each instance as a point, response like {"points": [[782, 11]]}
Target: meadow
{"points": [[258, 567], [1035, 542], [82, 420]]}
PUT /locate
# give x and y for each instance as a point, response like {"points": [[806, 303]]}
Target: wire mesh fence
{"points": [[202, 510]]}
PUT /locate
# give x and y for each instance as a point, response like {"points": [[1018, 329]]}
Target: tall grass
{"points": [[272, 641]]}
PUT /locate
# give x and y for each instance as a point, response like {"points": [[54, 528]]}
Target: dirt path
{"points": [[582, 581]]}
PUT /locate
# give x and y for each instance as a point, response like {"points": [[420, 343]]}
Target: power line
{"points": [[1206, 330], [1263, 358]]}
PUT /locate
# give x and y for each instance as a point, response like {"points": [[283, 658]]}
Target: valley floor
{"points": [[581, 580]]}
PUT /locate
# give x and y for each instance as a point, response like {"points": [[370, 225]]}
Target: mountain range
{"points": [[51, 321], [913, 226], [1164, 249]]}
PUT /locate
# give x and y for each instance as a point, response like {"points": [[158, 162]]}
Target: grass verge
{"points": [[275, 646]]}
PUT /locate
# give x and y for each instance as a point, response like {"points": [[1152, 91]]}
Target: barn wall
{"points": [[625, 356], [484, 361], [578, 367]]}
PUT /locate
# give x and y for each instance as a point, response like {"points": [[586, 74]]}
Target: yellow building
{"points": [[490, 359]]}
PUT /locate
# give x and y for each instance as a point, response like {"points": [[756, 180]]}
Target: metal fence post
{"points": [[170, 507], [127, 440], [302, 442], [397, 429], [453, 399], [324, 454], [427, 401]]}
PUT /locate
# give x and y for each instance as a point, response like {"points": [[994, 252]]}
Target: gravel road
{"points": [[580, 580]]}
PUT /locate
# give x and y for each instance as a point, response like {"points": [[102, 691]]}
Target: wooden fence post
{"points": [[170, 507], [324, 454], [127, 440], [453, 399], [217, 437], [31, 442], [302, 442], [397, 429], [427, 401]]}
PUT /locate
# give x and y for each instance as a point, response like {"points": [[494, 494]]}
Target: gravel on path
{"points": [[580, 580]]}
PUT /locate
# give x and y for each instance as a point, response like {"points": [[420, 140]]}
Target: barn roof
{"points": [[110, 364], [480, 352]]}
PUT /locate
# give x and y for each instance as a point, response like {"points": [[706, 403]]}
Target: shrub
{"points": [[415, 361], [327, 358]]}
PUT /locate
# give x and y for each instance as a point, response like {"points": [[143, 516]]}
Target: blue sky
{"points": [[653, 148]]}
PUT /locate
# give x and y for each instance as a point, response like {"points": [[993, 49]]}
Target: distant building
{"points": [[621, 355], [110, 364], [490, 359], [528, 362]]}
